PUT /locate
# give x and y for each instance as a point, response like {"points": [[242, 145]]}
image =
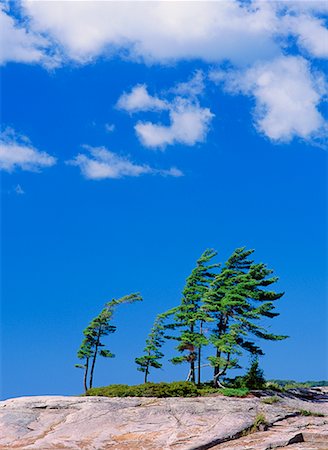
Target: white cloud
{"points": [[156, 31], [311, 33], [191, 88], [160, 31], [287, 96], [139, 100], [17, 43], [189, 124], [101, 163], [16, 151]]}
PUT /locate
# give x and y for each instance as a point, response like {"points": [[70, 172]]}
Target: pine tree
{"points": [[152, 351], [235, 300], [254, 378], [92, 345], [189, 316]]}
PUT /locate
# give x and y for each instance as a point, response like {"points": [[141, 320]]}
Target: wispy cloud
{"points": [[287, 95], [19, 190], [109, 127], [189, 122], [99, 163], [16, 151]]}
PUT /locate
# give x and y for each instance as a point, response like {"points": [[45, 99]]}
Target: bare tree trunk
{"points": [[192, 369], [146, 374], [222, 326], [192, 360], [216, 380], [199, 353], [86, 375], [94, 359]]}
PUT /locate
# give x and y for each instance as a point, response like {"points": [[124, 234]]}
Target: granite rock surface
{"points": [[217, 422]]}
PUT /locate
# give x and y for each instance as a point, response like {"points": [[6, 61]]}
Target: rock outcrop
{"points": [[217, 422]]}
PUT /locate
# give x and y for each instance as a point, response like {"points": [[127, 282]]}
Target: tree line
{"points": [[220, 309]]}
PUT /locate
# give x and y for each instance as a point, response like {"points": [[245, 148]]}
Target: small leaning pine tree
{"points": [[92, 345], [152, 356]]}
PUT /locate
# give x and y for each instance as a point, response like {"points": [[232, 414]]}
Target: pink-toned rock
{"points": [[98, 423]]}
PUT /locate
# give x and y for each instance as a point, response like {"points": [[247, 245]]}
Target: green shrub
{"points": [[271, 400], [234, 392], [175, 389]]}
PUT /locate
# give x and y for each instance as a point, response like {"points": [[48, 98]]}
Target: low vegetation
{"points": [[305, 412], [291, 384], [260, 423], [161, 390], [271, 400], [235, 392]]}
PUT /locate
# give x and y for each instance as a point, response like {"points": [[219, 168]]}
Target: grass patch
{"points": [[162, 390], [305, 412], [234, 392], [273, 386], [260, 423], [271, 400]]}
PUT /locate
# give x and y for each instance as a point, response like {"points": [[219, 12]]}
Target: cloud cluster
{"points": [[99, 163], [155, 31], [162, 32], [189, 122], [287, 96], [259, 40], [16, 151]]}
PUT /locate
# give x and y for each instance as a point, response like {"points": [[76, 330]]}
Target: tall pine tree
{"points": [[189, 316], [237, 298]]}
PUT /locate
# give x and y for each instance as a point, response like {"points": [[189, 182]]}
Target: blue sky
{"points": [[127, 149]]}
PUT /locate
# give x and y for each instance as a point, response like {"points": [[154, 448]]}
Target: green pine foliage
{"points": [[153, 355], [236, 299], [254, 378], [219, 315], [189, 317], [92, 345]]}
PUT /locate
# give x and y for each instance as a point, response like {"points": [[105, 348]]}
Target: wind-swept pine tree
{"points": [[189, 316], [92, 345], [152, 351], [235, 300]]}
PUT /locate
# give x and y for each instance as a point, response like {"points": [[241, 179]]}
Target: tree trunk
{"points": [[85, 379], [199, 353], [146, 374], [94, 359], [192, 370], [216, 380], [222, 326], [192, 360]]}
